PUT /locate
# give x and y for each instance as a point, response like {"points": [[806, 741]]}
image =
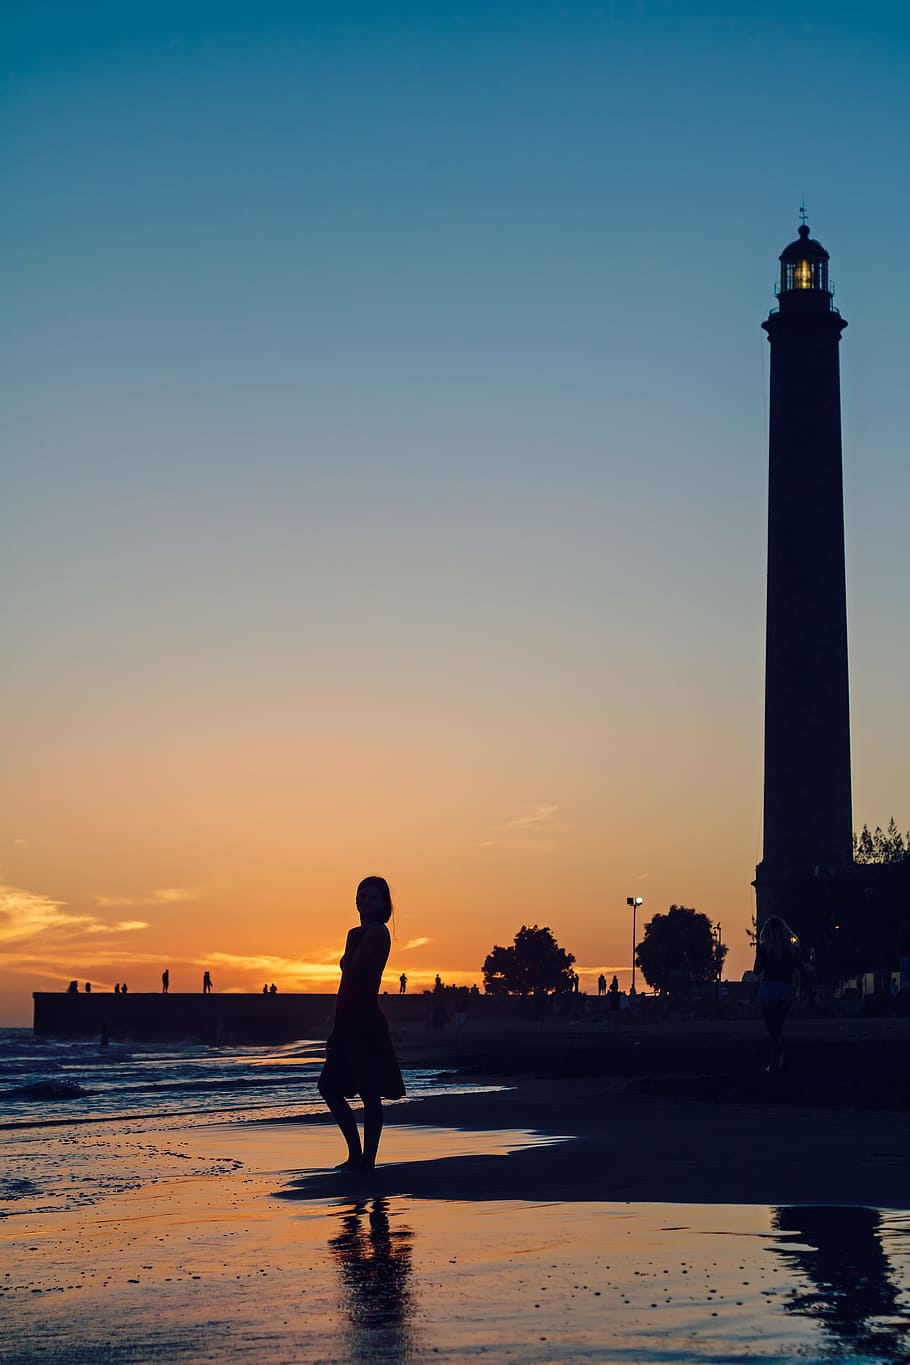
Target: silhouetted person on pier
{"points": [[88, 987], [206, 983], [613, 994], [73, 988], [273, 989], [265, 989], [116, 987], [402, 984], [123, 989], [165, 981], [778, 962], [601, 984], [438, 1005], [359, 1058]]}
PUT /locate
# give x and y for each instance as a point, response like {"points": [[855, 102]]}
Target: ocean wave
{"points": [[45, 1090]]}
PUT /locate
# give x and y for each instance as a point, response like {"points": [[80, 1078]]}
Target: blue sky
{"points": [[400, 366]]}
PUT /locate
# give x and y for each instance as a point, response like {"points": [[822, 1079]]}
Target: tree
{"points": [[682, 940], [889, 846], [535, 962]]}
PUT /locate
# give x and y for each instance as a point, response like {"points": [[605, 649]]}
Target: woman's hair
{"points": [[378, 889], [777, 939]]}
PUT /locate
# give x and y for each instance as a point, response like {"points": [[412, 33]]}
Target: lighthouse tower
{"points": [[808, 823]]}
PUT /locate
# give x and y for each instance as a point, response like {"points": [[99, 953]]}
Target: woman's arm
{"points": [[347, 947], [371, 951]]}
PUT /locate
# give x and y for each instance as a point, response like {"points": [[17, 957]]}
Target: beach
{"points": [[603, 1216]]}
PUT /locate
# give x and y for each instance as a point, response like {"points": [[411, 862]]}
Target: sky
{"points": [[386, 465]]}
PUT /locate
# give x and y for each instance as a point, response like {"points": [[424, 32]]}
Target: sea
{"points": [[73, 1114]]}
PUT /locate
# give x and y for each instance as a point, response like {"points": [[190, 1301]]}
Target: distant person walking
{"points": [[359, 1058], [601, 984], [402, 984], [206, 983], [165, 981], [778, 963]]}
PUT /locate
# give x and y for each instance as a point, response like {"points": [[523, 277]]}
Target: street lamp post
{"points": [[635, 902]]}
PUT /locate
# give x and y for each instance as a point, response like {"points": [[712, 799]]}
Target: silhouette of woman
{"points": [[777, 961], [359, 1056]]}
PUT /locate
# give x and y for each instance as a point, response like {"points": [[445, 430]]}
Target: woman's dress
{"points": [[775, 976], [359, 1057]]}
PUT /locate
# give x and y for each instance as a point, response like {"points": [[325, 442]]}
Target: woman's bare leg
{"points": [[775, 1017], [343, 1115], [372, 1130]]}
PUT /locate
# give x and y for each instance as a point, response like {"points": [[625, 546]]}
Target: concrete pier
{"points": [[230, 1018], [207, 1018]]}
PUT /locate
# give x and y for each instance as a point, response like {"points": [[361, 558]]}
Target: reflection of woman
{"points": [[375, 1263], [777, 962], [359, 1056], [846, 1281]]}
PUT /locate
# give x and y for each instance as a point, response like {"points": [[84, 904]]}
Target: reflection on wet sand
{"points": [[837, 1253], [375, 1264]]}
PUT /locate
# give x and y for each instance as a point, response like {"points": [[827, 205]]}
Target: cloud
{"points": [[23, 914], [537, 812], [414, 943], [120, 926], [165, 895], [41, 934], [537, 815], [290, 970]]}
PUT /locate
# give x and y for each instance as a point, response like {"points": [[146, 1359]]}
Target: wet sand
{"points": [[661, 1229], [646, 1149], [268, 1257], [687, 1112]]}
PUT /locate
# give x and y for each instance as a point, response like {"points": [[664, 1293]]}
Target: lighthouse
{"points": [[808, 823]]}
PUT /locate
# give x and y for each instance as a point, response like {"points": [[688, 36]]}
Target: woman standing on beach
{"points": [[778, 961], [359, 1056]]}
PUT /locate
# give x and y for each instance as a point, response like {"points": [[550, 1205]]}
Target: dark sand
{"points": [[671, 1112]]}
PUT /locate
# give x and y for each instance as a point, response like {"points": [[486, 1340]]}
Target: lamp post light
{"points": [[635, 902]]}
